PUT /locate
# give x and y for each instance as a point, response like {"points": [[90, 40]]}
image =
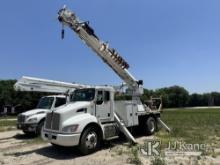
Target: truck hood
{"points": [[72, 109], [35, 111]]}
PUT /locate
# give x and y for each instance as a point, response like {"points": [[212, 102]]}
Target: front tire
{"points": [[90, 141], [40, 128]]}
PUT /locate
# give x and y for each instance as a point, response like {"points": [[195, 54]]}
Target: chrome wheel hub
{"points": [[91, 140]]}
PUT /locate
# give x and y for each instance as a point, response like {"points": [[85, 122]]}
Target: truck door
{"points": [[59, 101], [103, 106]]}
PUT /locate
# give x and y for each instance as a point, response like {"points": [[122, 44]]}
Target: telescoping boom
{"points": [[109, 55], [26, 83]]}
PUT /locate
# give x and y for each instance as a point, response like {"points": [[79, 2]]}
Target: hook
{"points": [[62, 32]]}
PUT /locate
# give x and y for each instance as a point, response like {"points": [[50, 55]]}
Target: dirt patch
{"points": [[14, 149]]}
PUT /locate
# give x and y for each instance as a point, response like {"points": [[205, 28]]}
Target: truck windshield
{"points": [[45, 103], [83, 95]]}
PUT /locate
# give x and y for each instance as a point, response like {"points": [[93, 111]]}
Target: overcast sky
{"points": [[166, 42]]}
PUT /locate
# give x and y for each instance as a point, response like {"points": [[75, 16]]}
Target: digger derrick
{"points": [[109, 55]]}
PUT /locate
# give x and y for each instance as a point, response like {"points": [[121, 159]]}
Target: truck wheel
{"points": [[90, 141], [40, 128], [150, 126]]}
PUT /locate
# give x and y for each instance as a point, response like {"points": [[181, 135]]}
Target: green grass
{"points": [[8, 117], [158, 161], [192, 126], [6, 125], [134, 156]]}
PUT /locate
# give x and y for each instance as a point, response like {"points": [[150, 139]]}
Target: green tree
{"points": [[8, 96], [174, 96]]}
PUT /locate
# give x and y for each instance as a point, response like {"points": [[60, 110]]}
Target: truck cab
{"points": [[92, 115], [79, 123], [32, 121]]}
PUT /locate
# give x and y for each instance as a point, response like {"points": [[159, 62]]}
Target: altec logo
{"points": [[151, 148]]}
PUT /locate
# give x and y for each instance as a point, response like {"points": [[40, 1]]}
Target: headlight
{"points": [[70, 128], [32, 120]]}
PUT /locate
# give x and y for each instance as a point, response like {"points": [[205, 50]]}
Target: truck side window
{"points": [[60, 101], [99, 98], [107, 96]]}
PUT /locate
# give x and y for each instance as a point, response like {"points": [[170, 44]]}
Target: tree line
{"points": [[20, 100], [174, 96]]}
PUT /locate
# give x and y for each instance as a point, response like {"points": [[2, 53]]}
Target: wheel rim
{"points": [[151, 125], [91, 140]]}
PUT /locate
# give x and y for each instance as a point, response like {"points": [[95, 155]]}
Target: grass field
{"points": [[192, 126], [189, 125], [6, 125], [7, 117]]}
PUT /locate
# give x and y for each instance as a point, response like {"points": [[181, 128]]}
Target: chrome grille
{"points": [[21, 118], [48, 121], [52, 121], [56, 121]]}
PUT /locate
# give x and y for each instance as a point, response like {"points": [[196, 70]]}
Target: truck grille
{"points": [[56, 121], [21, 118], [48, 121], [52, 121]]}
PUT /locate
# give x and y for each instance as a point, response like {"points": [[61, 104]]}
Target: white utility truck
{"points": [[93, 115], [32, 121]]}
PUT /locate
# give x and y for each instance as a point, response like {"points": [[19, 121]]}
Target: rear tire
{"points": [[150, 126], [90, 141]]}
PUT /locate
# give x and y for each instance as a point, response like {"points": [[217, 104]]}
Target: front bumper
{"points": [[29, 127], [67, 140]]}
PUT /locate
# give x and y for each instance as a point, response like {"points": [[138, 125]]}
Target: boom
{"points": [[44, 85], [108, 55]]}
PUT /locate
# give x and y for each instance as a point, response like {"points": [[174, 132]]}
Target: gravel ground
{"points": [[14, 150]]}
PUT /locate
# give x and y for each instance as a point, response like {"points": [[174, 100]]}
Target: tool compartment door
{"points": [[132, 114]]}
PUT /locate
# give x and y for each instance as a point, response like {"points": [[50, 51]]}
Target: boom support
{"points": [[108, 55]]}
